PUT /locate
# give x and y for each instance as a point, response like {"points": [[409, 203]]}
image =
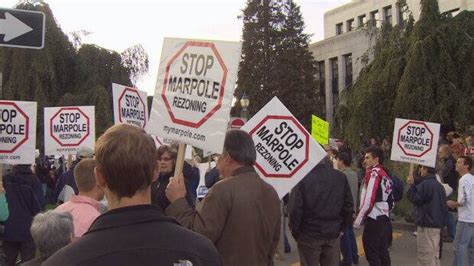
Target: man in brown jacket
{"points": [[240, 214]]}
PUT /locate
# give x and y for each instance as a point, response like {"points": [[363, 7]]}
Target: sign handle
{"points": [[180, 160], [411, 170], [209, 161], [69, 161]]}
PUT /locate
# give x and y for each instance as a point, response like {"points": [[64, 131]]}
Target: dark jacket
{"points": [[158, 188], [25, 199], [211, 177], [448, 172], [321, 205], [137, 235], [66, 178], [429, 198]]}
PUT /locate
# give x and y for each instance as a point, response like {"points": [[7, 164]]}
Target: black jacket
{"points": [[25, 199], [158, 188], [321, 205], [137, 235], [429, 198]]}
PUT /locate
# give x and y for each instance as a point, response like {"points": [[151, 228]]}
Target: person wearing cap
{"points": [[66, 185]]}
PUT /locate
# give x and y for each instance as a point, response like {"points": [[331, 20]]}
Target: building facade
{"points": [[343, 51]]}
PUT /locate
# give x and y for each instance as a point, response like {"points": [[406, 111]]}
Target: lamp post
{"points": [[244, 102]]}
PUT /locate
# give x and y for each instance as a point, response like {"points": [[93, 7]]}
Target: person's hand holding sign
{"points": [[176, 189]]}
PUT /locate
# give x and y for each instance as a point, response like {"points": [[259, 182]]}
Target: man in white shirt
{"points": [[465, 204]]}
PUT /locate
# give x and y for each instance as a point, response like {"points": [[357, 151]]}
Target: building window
{"points": [[350, 25], [374, 18], [348, 67], [401, 15], [387, 12], [322, 78], [362, 20], [339, 29], [334, 76]]}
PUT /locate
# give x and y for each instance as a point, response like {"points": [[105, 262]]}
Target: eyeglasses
{"points": [[164, 159]]}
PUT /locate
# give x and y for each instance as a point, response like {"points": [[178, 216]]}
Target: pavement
{"points": [[402, 252]]}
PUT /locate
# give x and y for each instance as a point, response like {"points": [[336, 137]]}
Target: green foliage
{"points": [[423, 71], [276, 60], [61, 75]]}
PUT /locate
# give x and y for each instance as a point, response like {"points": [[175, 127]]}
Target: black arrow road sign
{"points": [[22, 28]]}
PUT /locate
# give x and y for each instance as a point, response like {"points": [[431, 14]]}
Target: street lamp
{"points": [[244, 102]]}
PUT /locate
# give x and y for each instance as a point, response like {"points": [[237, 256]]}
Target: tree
{"points": [[60, 75], [261, 19], [276, 60], [423, 71], [294, 75]]}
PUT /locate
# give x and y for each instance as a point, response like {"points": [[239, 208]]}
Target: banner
{"points": [[285, 150], [194, 91], [319, 130], [130, 106], [415, 142], [17, 132], [68, 128]]}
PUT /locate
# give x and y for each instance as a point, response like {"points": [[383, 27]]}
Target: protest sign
{"points": [[285, 150], [194, 90], [319, 130], [415, 142], [17, 132], [68, 128], [130, 105]]}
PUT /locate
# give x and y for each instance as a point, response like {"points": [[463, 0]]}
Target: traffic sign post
{"points": [[286, 152], [68, 128], [194, 91], [22, 28], [415, 142], [17, 132], [130, 106]]}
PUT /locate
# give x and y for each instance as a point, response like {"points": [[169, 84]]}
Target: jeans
{"points": [[463, 241], [349, 247], [451, 224]]}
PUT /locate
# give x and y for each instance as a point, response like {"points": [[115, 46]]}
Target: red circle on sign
{"points": [[69, 109], [306, 152], [141, 100], [27, 123], [181, 121], [418, 123]]}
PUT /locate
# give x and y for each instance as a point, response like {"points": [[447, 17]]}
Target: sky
{"points": [[119, 24]]}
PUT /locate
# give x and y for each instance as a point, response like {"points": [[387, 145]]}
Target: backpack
{"points": [[397, 187]]}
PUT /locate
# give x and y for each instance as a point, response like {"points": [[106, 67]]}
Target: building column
{"points": [[329, 97]]}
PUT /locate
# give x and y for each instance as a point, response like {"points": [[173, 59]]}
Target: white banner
{"points": [[194, 90], [17, 132], [286, 152], [68, 128], [130, 106], [415, 142]]}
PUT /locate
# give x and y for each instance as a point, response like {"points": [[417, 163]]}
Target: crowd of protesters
{"points": [[123, 205]]}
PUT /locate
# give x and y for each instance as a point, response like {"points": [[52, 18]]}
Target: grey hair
{"points": [[51, 231], [240, 147]]}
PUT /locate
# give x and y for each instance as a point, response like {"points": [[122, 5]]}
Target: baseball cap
{"points": [[84, 152]]}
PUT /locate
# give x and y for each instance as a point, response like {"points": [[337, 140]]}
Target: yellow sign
{"points": [[320, 130]]}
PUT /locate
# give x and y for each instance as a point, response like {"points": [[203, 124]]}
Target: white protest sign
{"points": [[130, 105], [415, 142], [286, 152], [17, 132], [68, 128], [194, 91]]}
